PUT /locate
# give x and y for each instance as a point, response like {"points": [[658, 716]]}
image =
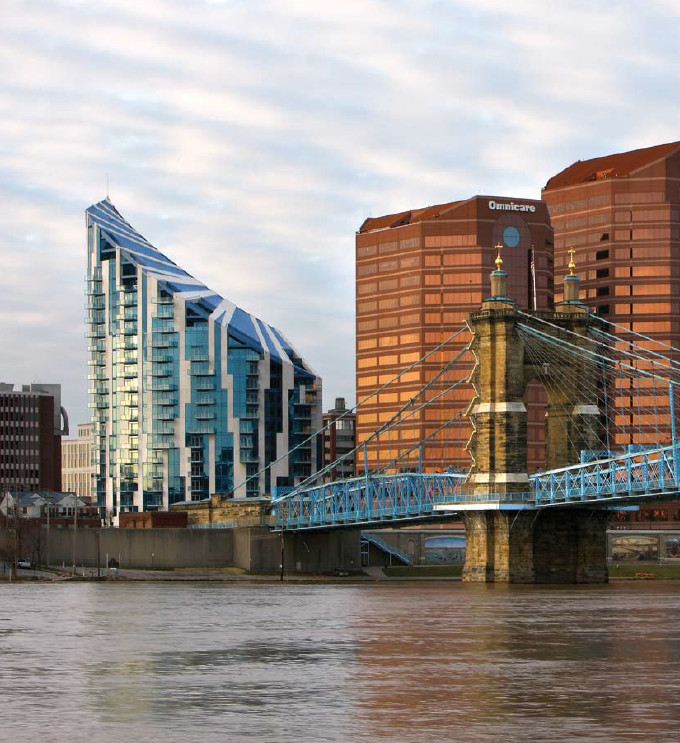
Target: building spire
{"points": [[572, 265], [499, 260]]}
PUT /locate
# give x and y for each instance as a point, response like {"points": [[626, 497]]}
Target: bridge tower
{"points": [[507, 540]]}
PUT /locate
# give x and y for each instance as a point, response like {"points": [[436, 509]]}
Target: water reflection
{"points": [[388, 662]]}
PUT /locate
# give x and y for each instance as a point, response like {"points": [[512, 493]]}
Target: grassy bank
{"points": [[424, 571], [665, 572], [630, 570]]}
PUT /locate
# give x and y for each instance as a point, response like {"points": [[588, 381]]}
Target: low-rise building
{"points": [[339, 440], [77, 461], [55, 508]]}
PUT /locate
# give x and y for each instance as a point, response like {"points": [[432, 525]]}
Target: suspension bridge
{"points": [[610, 443]]}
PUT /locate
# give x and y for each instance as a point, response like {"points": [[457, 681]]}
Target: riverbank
{"points": [[634, 571]]}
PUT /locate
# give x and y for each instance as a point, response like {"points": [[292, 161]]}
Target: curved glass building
{"points": [[191, 395]]}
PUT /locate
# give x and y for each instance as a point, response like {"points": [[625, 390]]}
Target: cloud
{"points": [[250, 140]]}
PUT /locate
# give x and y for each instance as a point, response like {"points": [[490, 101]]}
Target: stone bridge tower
{"points": [[508, 541]]}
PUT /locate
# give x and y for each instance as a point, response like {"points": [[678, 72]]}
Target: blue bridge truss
{"points": [[628, 479]]}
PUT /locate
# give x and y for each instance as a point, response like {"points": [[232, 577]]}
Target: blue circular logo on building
{"points": [[511, 236]]}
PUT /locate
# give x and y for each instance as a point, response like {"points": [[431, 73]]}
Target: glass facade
{"points": [[190, 395]]}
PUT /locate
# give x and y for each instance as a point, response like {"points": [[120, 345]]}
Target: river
{"points": [[391, 661]]}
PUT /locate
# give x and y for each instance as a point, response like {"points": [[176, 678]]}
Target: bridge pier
{"points": [[551, 546]]}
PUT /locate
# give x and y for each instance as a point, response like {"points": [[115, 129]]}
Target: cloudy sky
{"points": [[248, 140]]}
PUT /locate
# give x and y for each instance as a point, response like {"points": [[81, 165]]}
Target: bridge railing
{"points": [[631, 475], [365, 500]]}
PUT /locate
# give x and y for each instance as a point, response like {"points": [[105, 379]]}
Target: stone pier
{"points": [[552, 546], [508, 540]]}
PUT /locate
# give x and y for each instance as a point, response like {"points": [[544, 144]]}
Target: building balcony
{"points": [[252, 412], [165, 312], [163, 341], [199, 354], [127, 313], [204, 399], [97, 359], [200, 427], [96, 331], [252, 398], [164, 414], [200, 369], [161, 358], [163, 429], [157, 442], [129, 328], [97, 345], [160, 384], [128, 343], [163, 326], [98, 389], [204, 385], [248, 457], [127, 371], [163, 299], [252, 383], [205, 415], [128, 299], [162, 399], [161, 370], [95, 302]]}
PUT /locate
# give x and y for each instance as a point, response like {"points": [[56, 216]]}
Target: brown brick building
{"points": [[621, 214], [339, 440], [32, 423], [419, 274]]}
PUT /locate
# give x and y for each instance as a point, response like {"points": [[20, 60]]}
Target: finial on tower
{"points": [[499, 260], [572, 265]]}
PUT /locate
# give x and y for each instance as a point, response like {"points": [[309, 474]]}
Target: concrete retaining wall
{"points": [[255, 549]]}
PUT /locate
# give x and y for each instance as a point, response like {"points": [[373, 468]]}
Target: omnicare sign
{"points": [[512, 207]]}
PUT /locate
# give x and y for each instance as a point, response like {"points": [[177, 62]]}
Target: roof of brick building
{"points": [[619, 165]]}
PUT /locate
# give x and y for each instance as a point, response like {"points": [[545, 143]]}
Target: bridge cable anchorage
{"points": [[625, 371], [394, 420], [348, 412], [636, 370], [612, 339], [645, 338], [596, 354], [543, 358], [464, 328], [633, 375]]}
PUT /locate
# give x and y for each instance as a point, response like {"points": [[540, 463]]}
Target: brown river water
{"points": [[358, 662]]}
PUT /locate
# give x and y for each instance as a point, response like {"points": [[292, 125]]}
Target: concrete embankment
{"points": [[251, 549]]}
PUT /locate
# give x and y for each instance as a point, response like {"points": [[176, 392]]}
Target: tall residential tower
{"points": [[192, 396]]}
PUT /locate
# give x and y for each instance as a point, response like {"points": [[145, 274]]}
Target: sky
{"points": [[248, 140]]}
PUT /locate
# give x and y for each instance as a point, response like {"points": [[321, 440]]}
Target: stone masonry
{"points": [[513, 543]]}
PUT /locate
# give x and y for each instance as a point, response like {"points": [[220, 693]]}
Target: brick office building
{"points": [[32, 423], [621, 215], [339, 440], [419, 274]]}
